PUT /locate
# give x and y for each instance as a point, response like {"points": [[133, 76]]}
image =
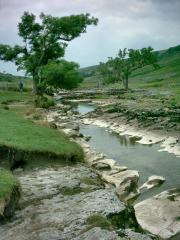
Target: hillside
{"points": [[167, 78], [11, 82]]}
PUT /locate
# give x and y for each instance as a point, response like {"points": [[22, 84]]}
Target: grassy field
{"points": [[22, 134], [166, 78], [15, 96]]}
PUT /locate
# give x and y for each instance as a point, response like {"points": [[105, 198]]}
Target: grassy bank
{"points": [[28, 141], [9, 193]]}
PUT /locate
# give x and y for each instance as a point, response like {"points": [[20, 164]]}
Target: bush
{"points": [[44, 102], [6, 107]]}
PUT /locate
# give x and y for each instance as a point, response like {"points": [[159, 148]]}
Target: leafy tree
{"points": [[44, 40], [127, 61], [106, 72], [61, 74]]}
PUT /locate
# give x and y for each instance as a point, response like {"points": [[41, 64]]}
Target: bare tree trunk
{"points": [[127, 83], [35, 90]]}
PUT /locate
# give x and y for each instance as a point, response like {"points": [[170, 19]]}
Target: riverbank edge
{"points": [[168, 143]]}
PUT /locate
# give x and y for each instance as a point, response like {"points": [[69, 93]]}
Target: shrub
{"points": [[44, 102]]}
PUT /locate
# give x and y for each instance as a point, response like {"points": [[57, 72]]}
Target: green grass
{"points": [[9, 81], [23, 134], [15, 96], [7, 183]]}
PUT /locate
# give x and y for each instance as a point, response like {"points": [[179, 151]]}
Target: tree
{"points": [[43, 40], [129, 60], [106, 71], [61, 74]]}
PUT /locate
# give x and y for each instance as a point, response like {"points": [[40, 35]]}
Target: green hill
{"points": [[166, 78]]}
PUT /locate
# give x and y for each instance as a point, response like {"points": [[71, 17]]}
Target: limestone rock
{"points": [[104, 164], [98, 234], [71, 133], [125, 183], [131, 235], [117, 169], [159, 215], [101, 166], [153, 181], [96, 157], [47, 212]]}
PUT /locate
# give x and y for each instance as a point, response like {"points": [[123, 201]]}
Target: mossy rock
{"points": [[98, 220], [10, 191]]}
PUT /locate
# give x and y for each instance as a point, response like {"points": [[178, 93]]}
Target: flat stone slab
{"points": [[160, 214], [125, 183], [153, 181], [104, 164], [116, 169], [120, 177]]}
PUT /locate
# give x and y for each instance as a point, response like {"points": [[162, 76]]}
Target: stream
{"points": [[58, 200], [127, 152]]}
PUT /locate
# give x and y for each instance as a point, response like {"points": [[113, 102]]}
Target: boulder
{"points": [[131, 235], [159, 215], [101, 166], [71, 133], [104, 164], [87, 138], [153, 181], [126, 183]]}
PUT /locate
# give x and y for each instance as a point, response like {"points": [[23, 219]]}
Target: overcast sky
{"points": [[122, 23]]}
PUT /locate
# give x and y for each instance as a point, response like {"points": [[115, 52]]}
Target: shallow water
{"points": [[84, 108], [144, 158]]}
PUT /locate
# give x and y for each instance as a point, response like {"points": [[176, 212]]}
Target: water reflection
{"points": [[83, 108], [144, 158], [126, 140]]}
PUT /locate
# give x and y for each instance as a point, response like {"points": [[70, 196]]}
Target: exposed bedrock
{"points": [[160, 215]]}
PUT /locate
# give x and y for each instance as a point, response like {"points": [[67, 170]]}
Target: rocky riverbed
{"points": [[69, 202], [122, 180]]}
